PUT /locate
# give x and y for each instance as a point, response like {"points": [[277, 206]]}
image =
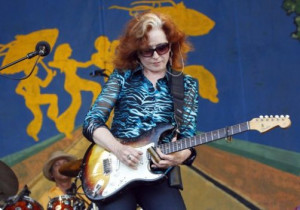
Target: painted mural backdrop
{"points": [[244, 58]]}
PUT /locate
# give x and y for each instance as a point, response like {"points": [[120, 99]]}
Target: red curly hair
{"points": [[135, 38]]}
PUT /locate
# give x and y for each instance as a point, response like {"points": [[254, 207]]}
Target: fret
{"points": [[167, 148], [190, 142], [225, 130], [193, 142], [246, 126], [163, 148], [215, 136], [179, 145], [236, 129], [209, 137], [233, 130], [171, 147], [202, 137]]}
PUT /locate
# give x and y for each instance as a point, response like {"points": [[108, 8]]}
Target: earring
{"points": [[170, 58], [140, 64]]}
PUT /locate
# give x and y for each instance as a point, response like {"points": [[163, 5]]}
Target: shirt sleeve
{"points": [[104, 104], [188, 127]]}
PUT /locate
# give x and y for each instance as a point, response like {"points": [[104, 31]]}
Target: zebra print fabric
{"points": [[139, 107]]}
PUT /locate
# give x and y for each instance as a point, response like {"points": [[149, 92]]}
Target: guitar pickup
{"points": [[154, 154], [107, 166]]}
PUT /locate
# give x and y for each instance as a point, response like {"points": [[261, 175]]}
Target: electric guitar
{"points": [[103, 175]]}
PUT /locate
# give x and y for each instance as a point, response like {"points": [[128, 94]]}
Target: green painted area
{"points": [[284, 160], [17, 157]]}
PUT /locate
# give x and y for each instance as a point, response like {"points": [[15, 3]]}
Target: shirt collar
{"points": [[139, 70]]}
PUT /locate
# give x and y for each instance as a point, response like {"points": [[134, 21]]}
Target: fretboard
{"points": [[203, 138]]}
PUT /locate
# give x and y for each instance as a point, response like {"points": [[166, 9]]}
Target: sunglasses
{"points": [[161, 49]]}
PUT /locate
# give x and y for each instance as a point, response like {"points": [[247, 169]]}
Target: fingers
{"points": [[132, 160], [174, 138], [163, 156], [161, 164], [131, 157], [164, 160], [167, 161]]}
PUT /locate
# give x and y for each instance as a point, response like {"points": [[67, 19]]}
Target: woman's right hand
{"points": [[128, 155]]}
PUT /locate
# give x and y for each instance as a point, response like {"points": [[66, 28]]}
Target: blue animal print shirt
{"points": [[139, 107]]}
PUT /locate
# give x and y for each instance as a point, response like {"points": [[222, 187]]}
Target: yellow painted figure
{"points": [[73, 85], [105, 53], [30, 88]]}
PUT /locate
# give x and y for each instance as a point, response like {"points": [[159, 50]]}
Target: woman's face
{"points": [[158, 61]]}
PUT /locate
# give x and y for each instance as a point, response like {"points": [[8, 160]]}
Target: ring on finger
{"points": [[129, 157]]}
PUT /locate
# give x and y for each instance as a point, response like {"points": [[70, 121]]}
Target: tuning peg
{"points": [[276, 116], [271, 116], [281, 116], [287, 116], [261, 117]]}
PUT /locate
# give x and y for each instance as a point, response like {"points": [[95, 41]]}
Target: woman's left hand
{"points": [[171, 159]]}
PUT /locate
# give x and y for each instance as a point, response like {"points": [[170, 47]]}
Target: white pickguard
{"points": [[121, 174]]}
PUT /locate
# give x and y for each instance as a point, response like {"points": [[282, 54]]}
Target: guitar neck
{"points": [[203, 138]]}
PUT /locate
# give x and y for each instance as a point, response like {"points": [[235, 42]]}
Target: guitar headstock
{"points": [[266, 123]]}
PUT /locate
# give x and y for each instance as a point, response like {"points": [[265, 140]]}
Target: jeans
{"points": [[152, 196]]}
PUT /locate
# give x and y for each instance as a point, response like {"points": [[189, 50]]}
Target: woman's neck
{"points": [[153, 76]]}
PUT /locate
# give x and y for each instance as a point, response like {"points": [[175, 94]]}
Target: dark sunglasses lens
{"points": [[147, 53], [163, 49]]}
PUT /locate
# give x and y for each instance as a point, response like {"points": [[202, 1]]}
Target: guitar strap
{"points": [[176, 84]]}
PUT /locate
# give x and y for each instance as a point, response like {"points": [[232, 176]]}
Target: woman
{"points": [[138, 92]]}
